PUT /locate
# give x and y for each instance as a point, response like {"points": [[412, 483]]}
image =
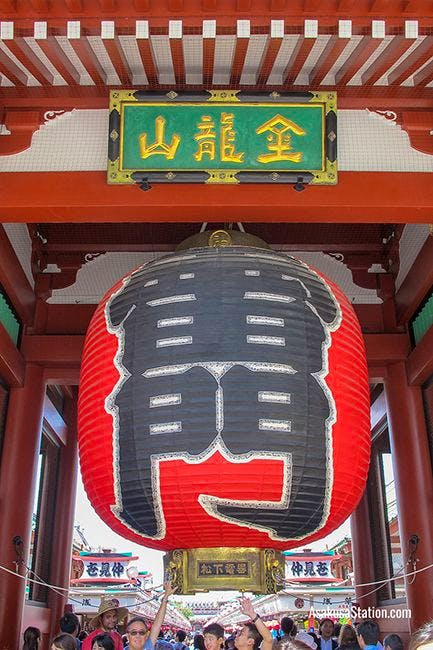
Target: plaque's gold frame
{"points": [[266, 570], [328, 175]]}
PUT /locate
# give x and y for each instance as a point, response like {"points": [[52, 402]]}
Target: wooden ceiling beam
{"points": [[176, 49], [10, 70], [14, 281], [356, 60], [117, 57], [387, 58], [147, 54], [87, 97], [150, 247], [12, 364], [412, 62], [424, 77], [297, 60], [326, 60], [416, 284], [419, 366], [55, 54], [88, 58], [208, 61], [238, 60], [270, 53], [26, 56], [66, 350], [359, 197], [53, 350]]}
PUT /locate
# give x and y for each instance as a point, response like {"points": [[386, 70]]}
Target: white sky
{"points": [[99, 534]]}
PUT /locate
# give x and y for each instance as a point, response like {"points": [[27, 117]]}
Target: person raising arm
{"points": [[255, 633], [159, 618]]}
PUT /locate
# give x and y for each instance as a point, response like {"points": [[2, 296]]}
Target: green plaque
{"points": [[226, 137]]}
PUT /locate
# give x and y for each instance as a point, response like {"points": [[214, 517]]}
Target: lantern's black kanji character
{"points": [[188, 334], [105, 570], [92, 569], [322, 569], [297, 568], [309, 569], [117, 569]]}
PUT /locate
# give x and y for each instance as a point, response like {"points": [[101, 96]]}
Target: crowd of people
{"points": [[253, 635], [361, 636]]}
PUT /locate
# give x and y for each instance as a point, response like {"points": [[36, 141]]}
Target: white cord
{"points": [[396, 577], [56, 588], [381, 583]]}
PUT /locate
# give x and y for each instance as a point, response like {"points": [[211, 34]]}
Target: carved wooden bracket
{"points": [[21, 126], [419, 127], [67, 264]]}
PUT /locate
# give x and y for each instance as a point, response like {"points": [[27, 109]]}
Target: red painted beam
{"points": [[62, 376], [326, 60], [118, 60], [412, 63], [387, 58], [58, 58], [349, 97], [419, 366], [416, 284], [19, 48], [10, 70], [208, 61], [57, 350], [53, 350], [14, 281], [297, 60], [74, 6], [176, 49], [359, 197], [424, 77], [238, 60], [270, 53], [83, 50], [12, 364], [356, 60], [359, 11], [383, 349], [148, 59]]}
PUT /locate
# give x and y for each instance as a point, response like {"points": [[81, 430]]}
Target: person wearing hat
{"points": [[304, 637], [109, 614]]}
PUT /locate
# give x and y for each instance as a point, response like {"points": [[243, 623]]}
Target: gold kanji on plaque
{"points": [[279, 140], [159, 147]]}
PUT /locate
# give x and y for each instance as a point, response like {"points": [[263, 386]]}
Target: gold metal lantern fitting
{"points": [[259, 570]]}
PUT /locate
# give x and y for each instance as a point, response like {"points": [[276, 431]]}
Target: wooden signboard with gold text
{"points": [[244, 569], [222, 137]]}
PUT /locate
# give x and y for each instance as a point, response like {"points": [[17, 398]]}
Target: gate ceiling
{"points": [[80, 48]]}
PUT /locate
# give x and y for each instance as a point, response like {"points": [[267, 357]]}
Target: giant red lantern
{"points": [[224, 402]]}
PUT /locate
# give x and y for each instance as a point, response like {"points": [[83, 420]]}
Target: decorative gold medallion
{"points": [[220, 238]]}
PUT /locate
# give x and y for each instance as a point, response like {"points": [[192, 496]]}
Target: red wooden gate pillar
{"points": [[65, 509], [362, 554], [18, 471], [413, 484]]}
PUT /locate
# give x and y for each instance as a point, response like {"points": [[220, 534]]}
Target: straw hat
{"points": [[306, 638], [107, 604]]}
